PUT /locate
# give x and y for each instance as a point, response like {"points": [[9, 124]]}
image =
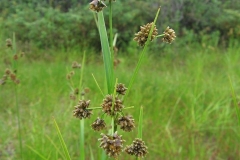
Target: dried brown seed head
{"points": [[142, 36], [107, 105], [76, 65], [112, 145], [76, 91], [97, 5], [137, 148], [15, 57], [126, 123], [13, 76], [7, 71], [169, 35], [9, 43], [81, 110], [98, 124], [121, 89]]}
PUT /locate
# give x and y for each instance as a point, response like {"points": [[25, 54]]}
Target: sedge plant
{"points": [[11, 76], [113, 106]]}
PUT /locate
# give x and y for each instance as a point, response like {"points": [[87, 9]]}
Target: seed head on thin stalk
{"points": [[169, 35], [142, 36], [137, 148], [97, 5], [126, 123], [107, 105], [121, 89], [81, 110], [9, 43], [112, 145], [98, 124]]}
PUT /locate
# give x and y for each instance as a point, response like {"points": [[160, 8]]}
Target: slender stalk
{"points": [[111, 31], [235, 100], [142, 55], [14, 66], [82, 151]]}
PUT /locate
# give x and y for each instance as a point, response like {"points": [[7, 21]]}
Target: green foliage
{"points": [[65, 24]]}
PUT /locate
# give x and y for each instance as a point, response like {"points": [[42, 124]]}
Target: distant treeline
{"points": [[67, 23]]}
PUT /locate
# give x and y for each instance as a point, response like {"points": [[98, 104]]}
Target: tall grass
{"points": [[170, 86]]}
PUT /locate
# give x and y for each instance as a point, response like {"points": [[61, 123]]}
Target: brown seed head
{"points": [[97, 5], [137, 148], [121, 89], [13, 76], [76, 65], [98, 124], [15, 57], [169, 35], [76, 91], [142, 36], [126, 123], [81, 110], [107, 105], [112, 145], [7, 71], [9, 43], [72, 97]]}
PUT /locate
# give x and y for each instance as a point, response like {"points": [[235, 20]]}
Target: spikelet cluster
{"points": [[137, 148], [126, 123], [142, 36], [97, 5], [169, 35], [108, 103], [98, 124], [121, 89], [112, 145], [81, 110]]}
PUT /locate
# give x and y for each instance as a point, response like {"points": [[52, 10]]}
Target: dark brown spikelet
{"points": [[76, 91], [98, 124], [97, 5], [7, 71], [76, 65], [81, 110], [121, 89], [107, 105], [9, 43], [112, 145], [137, 148], [15, 57], [126, 123], [13, 76], [142, 36], [169, 35]]}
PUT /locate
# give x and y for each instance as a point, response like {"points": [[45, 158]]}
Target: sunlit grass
{"points": [[189, 112]]}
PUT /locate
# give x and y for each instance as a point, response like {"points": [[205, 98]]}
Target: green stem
{"points": [[161, 35], [111, 31], [94, 108], [82, 153], [142, 55], [14, 65]]}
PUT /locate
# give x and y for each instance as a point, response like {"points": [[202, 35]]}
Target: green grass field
{"points": [[189, 111]]}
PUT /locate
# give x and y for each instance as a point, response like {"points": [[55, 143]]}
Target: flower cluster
{"points": [[112, 145], [169, 35], [137, 148], [81, 110], [142, 36]]}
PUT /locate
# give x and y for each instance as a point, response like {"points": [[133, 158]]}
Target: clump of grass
{"points": [[11, 76]]}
